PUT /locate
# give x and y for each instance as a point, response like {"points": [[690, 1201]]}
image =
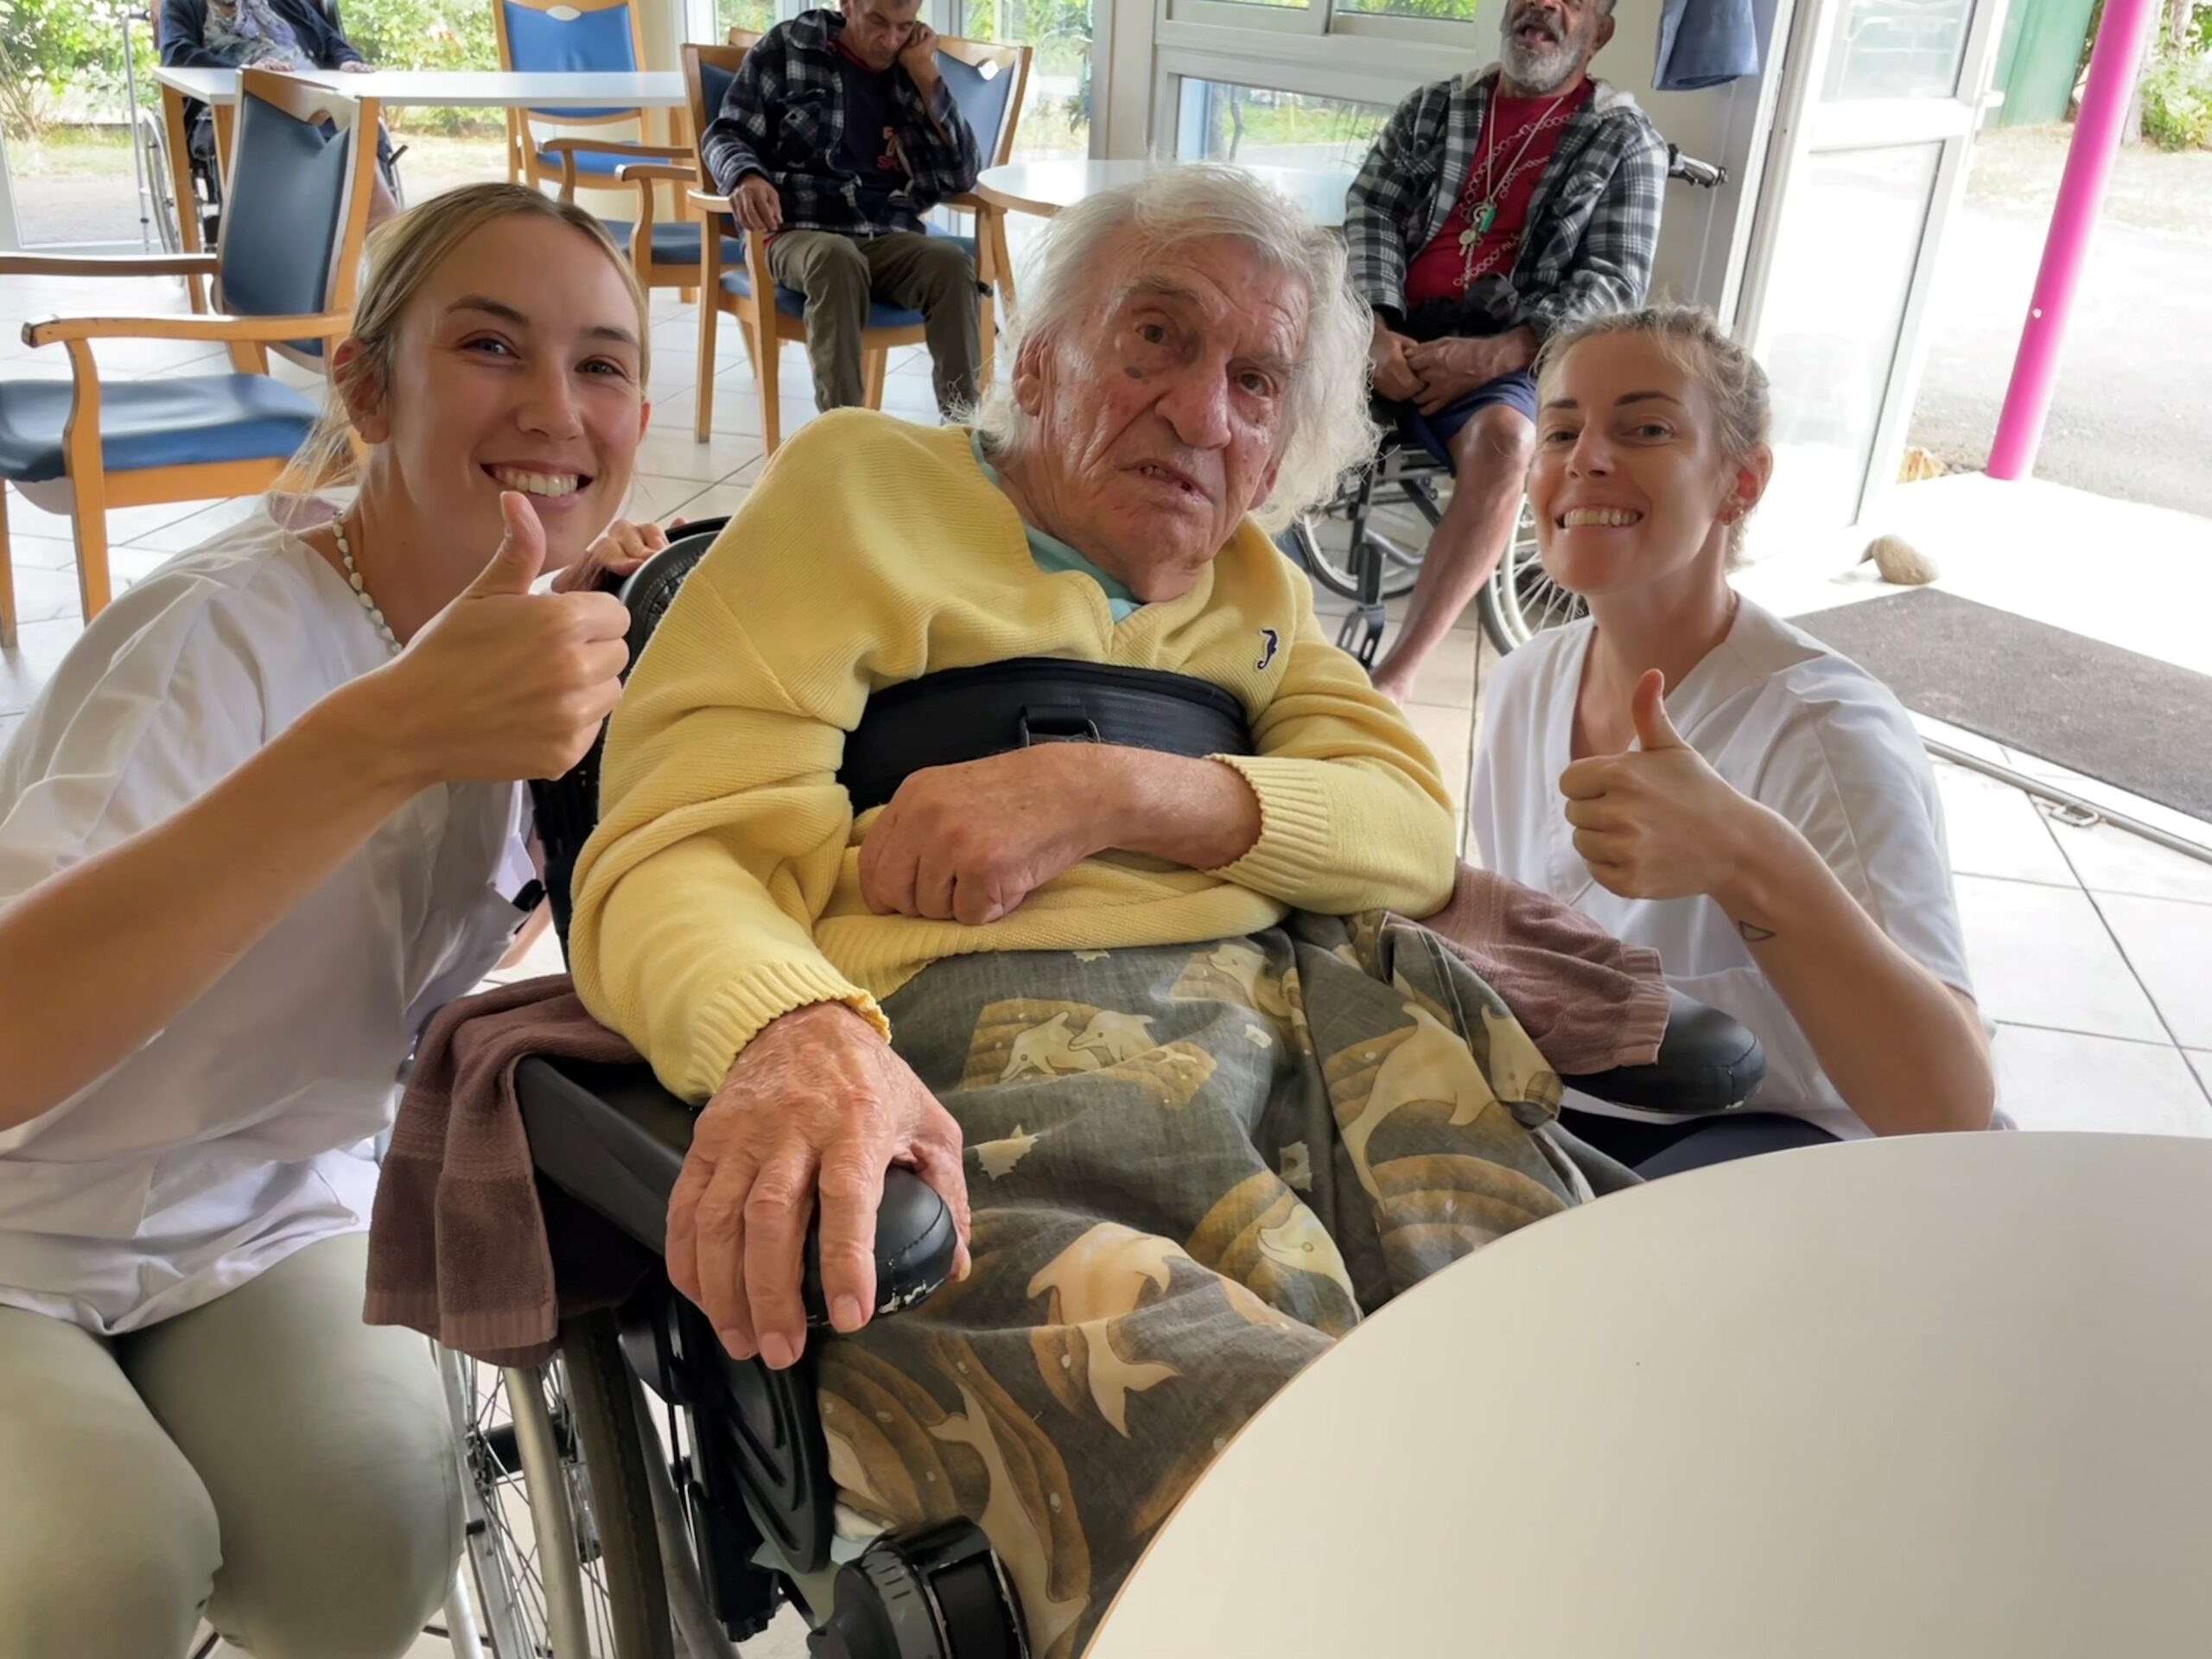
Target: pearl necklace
{"points": [[360, 587]]}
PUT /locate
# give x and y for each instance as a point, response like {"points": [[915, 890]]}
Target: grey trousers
{"points": [[266, 1461], [840, 275]]}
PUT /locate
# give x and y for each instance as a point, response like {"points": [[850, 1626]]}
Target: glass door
{"points": [[79, 119], [1877, 110]]}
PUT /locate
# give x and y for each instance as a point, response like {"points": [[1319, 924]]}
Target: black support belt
{"points": [[968, 713]]}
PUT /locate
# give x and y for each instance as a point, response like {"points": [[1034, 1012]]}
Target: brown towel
{"points": [[1587, 1001], [458, 1246]]}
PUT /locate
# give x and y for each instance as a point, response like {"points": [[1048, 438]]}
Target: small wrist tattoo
{"points": [[1753, 933]]}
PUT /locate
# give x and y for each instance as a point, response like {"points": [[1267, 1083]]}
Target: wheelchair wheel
{"points": [[1520, 601], [556, 1551], [157, 201]]}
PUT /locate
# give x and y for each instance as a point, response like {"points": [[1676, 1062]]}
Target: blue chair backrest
{"points": [[548, 42], [282, 210], [714, 87], [985, 96]]}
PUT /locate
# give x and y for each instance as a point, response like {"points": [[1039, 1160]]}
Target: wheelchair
{"points": [[701, 1532], [1365, 545], [157, 202]]}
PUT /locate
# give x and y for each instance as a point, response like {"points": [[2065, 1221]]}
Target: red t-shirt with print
{"points": [[1519, 137]]}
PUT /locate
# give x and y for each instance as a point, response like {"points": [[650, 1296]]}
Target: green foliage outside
{"points": [[2178, 102], [427, 34]]}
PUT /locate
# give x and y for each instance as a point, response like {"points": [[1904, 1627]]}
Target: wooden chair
{"points": [[295, 211], [986, 81], [990, 83], [568, 37]]}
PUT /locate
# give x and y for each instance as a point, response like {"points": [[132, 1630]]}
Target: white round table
{"points": [[1944, 1396], [1045, 188]]}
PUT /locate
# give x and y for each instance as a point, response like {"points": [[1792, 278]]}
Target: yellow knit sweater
{"points": [[722, 887]]}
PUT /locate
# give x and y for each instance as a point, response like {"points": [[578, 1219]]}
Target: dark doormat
{"points": [[2137, 723]]}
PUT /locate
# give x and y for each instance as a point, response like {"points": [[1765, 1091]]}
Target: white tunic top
{"points": [[243, 1131], [1788, 723]]}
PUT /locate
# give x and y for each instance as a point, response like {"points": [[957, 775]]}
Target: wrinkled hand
{"points": [[968, 844], [1393, 376], [918, 58], [617, 551], [505, 684], [813, 1112], [1657, 822], [1450, 369], [355, 67], [756, 204]]}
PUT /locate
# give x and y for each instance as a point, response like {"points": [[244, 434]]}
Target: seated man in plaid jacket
{"points": [[1495, 208], [838, 135]]}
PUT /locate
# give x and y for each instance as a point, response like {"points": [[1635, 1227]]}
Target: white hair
{"points": [[1329, 429]]}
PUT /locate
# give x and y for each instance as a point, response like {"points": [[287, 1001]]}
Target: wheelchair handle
{"points": [[1705, 176]]}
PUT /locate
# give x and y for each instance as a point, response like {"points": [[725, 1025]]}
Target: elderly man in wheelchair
{"points": [[1168, 1094]]}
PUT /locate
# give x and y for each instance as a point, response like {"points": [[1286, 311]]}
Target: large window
{"points": [[759, 15], [1258, 126], [68, 122], [1056, 115]]}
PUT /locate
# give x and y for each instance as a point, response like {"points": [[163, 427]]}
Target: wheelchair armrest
{"points": [[614, 1139], [1708, 1062]]}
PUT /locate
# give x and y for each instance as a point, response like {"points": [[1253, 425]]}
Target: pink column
{"points": [[2105, 98]]}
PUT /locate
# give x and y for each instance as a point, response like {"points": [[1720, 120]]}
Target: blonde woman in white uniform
{"points": [[261, 823], [1703, 778]]}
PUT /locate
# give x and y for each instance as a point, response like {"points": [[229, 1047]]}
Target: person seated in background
{"points": [[836, 137], [1699, 776], [1494, 209], [287, 35], [1202, 1134]]}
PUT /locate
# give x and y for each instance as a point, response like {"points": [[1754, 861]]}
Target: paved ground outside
{"points": [[2129, 418]]}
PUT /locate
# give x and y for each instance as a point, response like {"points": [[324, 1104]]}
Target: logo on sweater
{"points": [[1270, 643]]}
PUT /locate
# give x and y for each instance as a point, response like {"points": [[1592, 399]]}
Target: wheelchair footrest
{"points": [[938, 1594], [1362, 634]]}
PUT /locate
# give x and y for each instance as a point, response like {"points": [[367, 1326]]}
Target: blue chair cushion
{"points": [[944, 235], [590, 163], [187, 422], [676, 242], [792, 303]]}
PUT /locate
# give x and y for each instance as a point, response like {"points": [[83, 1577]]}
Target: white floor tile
{"points": [[1448, 676], [2041, 956], [44, 595], [675, 454], [191, 531], [2062, 1080], [1994, 829], [41, 552], [715, 501], [2112, 861], [2168, 944], [2199, 1058], [656, 498], [39, 647], [125, 524]]}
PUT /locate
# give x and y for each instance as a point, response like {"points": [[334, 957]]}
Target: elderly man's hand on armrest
{"points": [[969, 842], [813, 1111]]}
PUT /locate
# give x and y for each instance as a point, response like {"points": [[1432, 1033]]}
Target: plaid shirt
{"points": [[1593, 224], [785, 119]]}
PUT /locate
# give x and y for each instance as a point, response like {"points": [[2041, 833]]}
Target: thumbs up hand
{"points": [[1658, 821], [505, 684]]}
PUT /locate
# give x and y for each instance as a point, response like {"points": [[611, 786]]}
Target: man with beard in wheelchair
{"points": [[1140, 1009], [1494, 209]]}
